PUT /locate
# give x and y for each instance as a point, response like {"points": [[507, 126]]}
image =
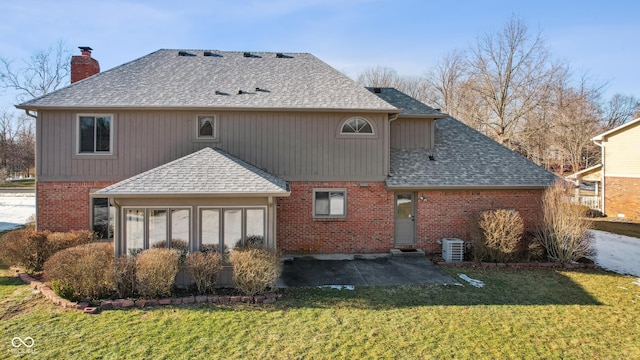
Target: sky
{"points": [[597, 38]]}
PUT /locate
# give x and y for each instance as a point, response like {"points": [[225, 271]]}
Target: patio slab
{"points": [[380, 270]]}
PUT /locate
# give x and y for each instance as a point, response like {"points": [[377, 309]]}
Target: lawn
{"points": [[547, 314], [24, 183]]}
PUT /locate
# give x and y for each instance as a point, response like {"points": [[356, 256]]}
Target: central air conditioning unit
{"points": [[452, 250]]}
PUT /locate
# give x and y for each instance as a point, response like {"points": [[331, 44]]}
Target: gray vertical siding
{"points": [[293, 146], [412, 133]]}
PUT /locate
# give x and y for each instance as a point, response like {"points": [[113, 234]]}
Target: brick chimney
{"points": [[83, 66]]}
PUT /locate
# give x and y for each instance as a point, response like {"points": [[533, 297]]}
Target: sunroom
{"points": [[208, 200]]}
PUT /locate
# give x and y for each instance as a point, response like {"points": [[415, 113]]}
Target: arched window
{"points": [[357, 125]]}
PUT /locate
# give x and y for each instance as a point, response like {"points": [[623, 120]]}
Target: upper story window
{"points": [[357, 125], [95, 134], [207, 127]]}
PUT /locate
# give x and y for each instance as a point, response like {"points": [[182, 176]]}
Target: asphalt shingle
{"points": [[163, 79], [207, 171], [464, 158], [404, 102]]}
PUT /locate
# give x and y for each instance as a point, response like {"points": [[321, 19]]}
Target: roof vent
{"points": [[377, 90], [246, 54], [184, 53], [218, 92], [209, 53], [240, 92], [431, 158], [279, 55], [438, 109]]}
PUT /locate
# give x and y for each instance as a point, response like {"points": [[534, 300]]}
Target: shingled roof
{"points": [[171, 79], [205, 172], [464, 158], [408, 105]]}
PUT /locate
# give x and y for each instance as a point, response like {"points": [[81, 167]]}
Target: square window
{"points": [[207, 127], [95, 134], [328, 203]]}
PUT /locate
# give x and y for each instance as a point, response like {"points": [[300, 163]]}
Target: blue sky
{"points": [[597, 37]]}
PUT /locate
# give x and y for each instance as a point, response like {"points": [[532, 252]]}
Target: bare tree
{"points": [[45, 71], [513, 73], [379, 76], [620, 109], [447, 81]]}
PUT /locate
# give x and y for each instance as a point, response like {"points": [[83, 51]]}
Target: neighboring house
{"points": [[619, 172], [213, 147]]}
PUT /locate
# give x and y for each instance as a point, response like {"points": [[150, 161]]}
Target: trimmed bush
{"points": [[124, 276], [180, 245], [500, 235], [156, 271], [26, 248], [255, 269], [64, 240], [84, 271], [30, 249], [564, 230], [204, 267]]}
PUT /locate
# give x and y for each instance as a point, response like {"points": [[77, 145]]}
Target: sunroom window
{"points": [[223, 229], [157, 228]]}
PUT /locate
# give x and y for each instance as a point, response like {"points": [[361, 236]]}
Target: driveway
{"points": [[617, 253], [362, 271]]}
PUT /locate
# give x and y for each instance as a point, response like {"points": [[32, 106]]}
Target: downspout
{"points": [[601, 145], [28, 112], [392, 117]]}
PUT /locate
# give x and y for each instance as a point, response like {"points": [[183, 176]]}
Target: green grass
{"points": [[621, 228], [547, 314], [24, 183]]}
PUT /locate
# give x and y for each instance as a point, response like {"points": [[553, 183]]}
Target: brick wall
{"points": [[369, 225], [622, 196], [448, 213], [64, 206]]}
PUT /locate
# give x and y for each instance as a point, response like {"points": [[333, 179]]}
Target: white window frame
{"points": [[243, 220], [216, 121], [341, 133], [329, 216], [111, 133]]}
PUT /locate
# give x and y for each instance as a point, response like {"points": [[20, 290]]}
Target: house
{"points": [[618, 175], [213, 148]]}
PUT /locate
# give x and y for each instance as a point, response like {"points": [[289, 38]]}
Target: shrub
{"points": [[26, 247], [84, 271], [124, 276], [180, 245], [64, 240], [255, 269], [156, 271], [204, 267], [564, 230], [500, 235]]}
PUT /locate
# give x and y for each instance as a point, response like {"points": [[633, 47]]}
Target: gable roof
{"points": [[166, 80], [619, 128], [464, 158], [205, 172], [409, 106]]}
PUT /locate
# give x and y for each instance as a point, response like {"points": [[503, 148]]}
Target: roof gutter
{"points": [[466, 187], [122, 195], [28, 112]]}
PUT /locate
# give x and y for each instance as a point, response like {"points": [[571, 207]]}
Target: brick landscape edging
{"points": [[268, 298], [531, 265]]}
